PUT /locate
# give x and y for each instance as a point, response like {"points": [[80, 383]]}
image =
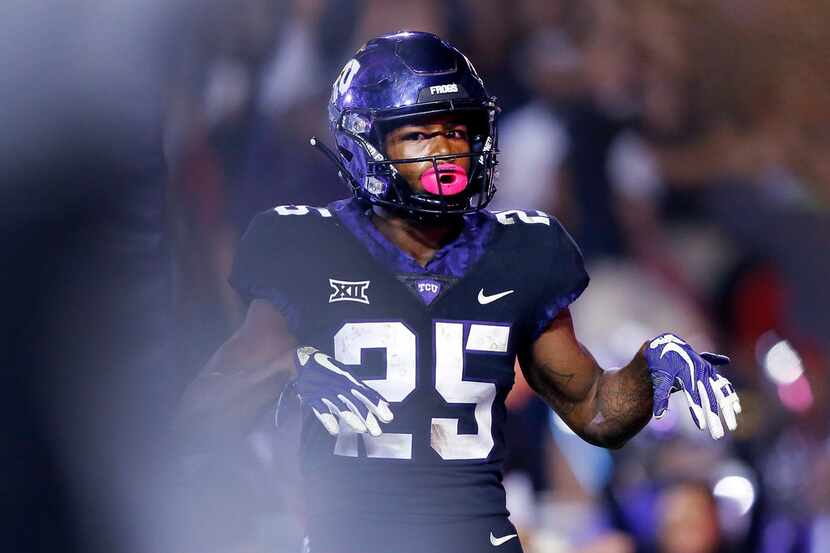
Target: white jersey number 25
{"points": [[400, 346]]}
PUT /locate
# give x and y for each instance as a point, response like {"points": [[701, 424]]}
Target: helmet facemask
{"points": [[384, 185]]}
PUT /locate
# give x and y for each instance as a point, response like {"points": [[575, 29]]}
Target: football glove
{"points": [[336, 398], [674, 366]]}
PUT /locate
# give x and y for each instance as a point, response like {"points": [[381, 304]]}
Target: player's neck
{"points": [[419, 239]]}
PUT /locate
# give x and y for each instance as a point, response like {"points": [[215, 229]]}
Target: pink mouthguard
{"points": [[453, 179]]}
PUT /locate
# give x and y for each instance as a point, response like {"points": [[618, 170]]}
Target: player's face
{"points": [[439, 135]]}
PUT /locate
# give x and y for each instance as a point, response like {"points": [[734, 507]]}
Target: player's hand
{"points": [[335, 396], [675, 366]]}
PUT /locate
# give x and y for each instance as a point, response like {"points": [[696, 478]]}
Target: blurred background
{"points": [[685, 144]]}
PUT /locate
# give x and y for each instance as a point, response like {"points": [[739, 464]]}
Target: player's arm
{"points": [[605, 408], [245, 376], [242, 379]]}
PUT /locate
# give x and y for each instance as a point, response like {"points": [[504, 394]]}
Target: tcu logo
{"points": [[428, 287], [443, 89], [345, 290]]}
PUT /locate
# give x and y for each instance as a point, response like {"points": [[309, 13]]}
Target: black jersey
{"points": [[439, 343]]}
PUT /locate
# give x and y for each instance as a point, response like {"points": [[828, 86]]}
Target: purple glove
{"points": [[675, 366], [333, 394]]}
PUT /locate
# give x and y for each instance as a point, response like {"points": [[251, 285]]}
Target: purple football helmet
{"points": [[392, 80]]}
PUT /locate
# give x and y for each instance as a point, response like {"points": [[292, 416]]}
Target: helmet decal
{"points": [[344, 80]]}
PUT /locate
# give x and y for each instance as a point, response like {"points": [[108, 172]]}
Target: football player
{"points": [[402, 310]]}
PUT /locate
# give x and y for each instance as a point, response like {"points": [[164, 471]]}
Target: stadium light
{"points": [[797, 396], [737, 489], [782, 364]]}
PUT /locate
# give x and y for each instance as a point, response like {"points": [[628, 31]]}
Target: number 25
{"points": [[400, 345]]}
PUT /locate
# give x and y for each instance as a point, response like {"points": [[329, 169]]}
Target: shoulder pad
{"points": [[277, 242]]}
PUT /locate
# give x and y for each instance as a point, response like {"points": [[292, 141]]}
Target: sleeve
{"points": [[566, 277]]}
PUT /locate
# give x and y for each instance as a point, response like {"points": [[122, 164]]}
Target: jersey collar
{"points": [[453, 260]]}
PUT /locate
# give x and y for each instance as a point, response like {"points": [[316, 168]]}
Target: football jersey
{"points": [[438, 342]]}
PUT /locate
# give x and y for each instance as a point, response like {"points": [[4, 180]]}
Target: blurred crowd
{"points": [[684, 144]]}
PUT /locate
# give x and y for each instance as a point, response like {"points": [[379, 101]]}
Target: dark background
{"points": [[683, 144]]}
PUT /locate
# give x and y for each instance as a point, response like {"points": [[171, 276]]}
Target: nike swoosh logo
{"points": [[671, 346], [484, 299], [504, 539], [323, 360]]}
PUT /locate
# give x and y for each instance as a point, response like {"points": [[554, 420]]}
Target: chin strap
{"points": [[342, 172]]}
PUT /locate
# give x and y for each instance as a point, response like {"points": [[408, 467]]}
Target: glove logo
{"points": [[666, 339], [672, 346], [346, 290]]}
